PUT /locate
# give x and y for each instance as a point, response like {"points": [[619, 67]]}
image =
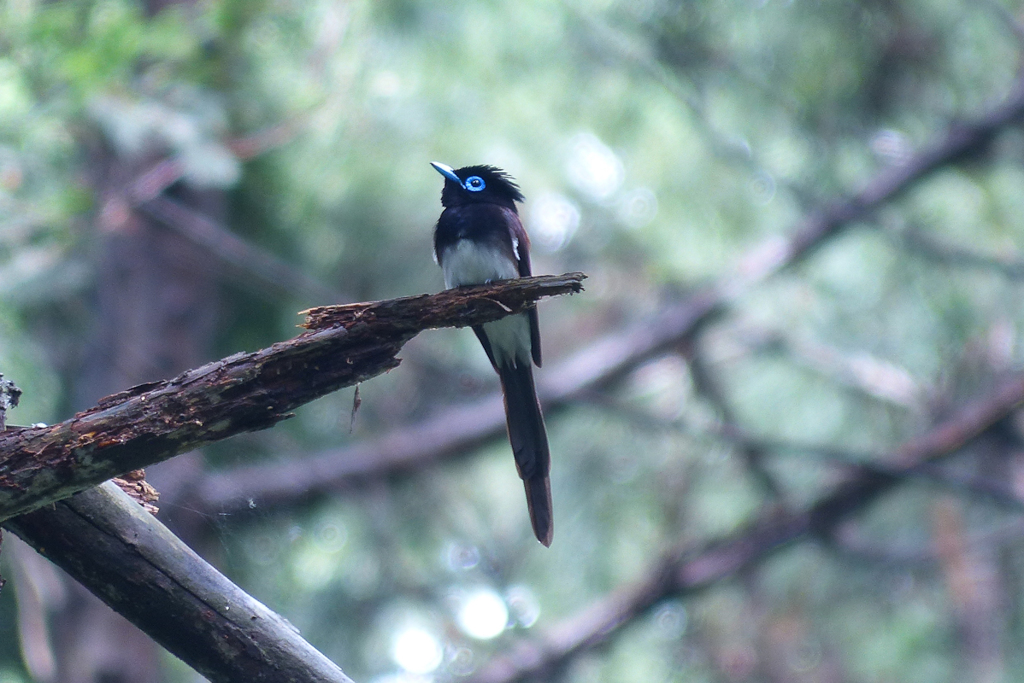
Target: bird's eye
{"points": [[475, 183]]}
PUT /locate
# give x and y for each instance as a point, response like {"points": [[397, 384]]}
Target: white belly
{"points": [[510, 340], [466, 263]]}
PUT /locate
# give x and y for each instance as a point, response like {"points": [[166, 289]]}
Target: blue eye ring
{"points": [[474, 183]]}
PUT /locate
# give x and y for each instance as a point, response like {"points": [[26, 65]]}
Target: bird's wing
{"points": [[478, 330], [522, 249]]}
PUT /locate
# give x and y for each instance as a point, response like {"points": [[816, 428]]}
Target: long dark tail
{"points": [[529, 442]]}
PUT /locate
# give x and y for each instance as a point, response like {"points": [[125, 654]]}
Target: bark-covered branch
{"points": [[137, 566], [244, 392], [689, 570], [458, 429]]}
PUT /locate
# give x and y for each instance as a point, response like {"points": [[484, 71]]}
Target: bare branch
{"points": [[686, 571], [243, 392], [143, 571], [457, 429]]}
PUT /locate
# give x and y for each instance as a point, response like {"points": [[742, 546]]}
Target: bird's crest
{"points": [[482, 183]]}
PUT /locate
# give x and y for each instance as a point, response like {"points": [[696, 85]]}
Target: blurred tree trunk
{"points": [[155, 312]]}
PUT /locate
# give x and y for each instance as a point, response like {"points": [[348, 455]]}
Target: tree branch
{"points": [[143, 571], [686, 571], [458, 429], [244, 392]]}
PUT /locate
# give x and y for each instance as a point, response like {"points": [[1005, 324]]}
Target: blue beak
{"points": [[447, 172]]}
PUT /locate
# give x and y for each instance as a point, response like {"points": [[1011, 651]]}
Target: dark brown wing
{"points": [[523, 248], [478, 330]]}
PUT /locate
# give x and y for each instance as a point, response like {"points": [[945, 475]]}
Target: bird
{"points": [[479, 239]]}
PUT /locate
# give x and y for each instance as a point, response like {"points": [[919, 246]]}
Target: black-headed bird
{"points": [[480, 239]]}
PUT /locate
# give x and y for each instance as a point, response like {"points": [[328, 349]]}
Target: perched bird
{"points": [[479, 239]]}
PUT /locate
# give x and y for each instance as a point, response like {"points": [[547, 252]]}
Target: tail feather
{"points": [[538, 501], [529, 442]]}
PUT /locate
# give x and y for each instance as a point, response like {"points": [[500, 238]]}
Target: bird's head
{"points": [[477, 184]]}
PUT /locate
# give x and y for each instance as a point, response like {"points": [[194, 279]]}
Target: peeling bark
{"points": [[245, 392]]}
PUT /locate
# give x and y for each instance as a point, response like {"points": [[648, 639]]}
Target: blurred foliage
{"points": [[656, 141]]}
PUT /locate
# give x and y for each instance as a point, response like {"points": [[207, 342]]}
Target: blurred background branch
{"points": [[688, 570], [607, 360], [802, 224]]}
